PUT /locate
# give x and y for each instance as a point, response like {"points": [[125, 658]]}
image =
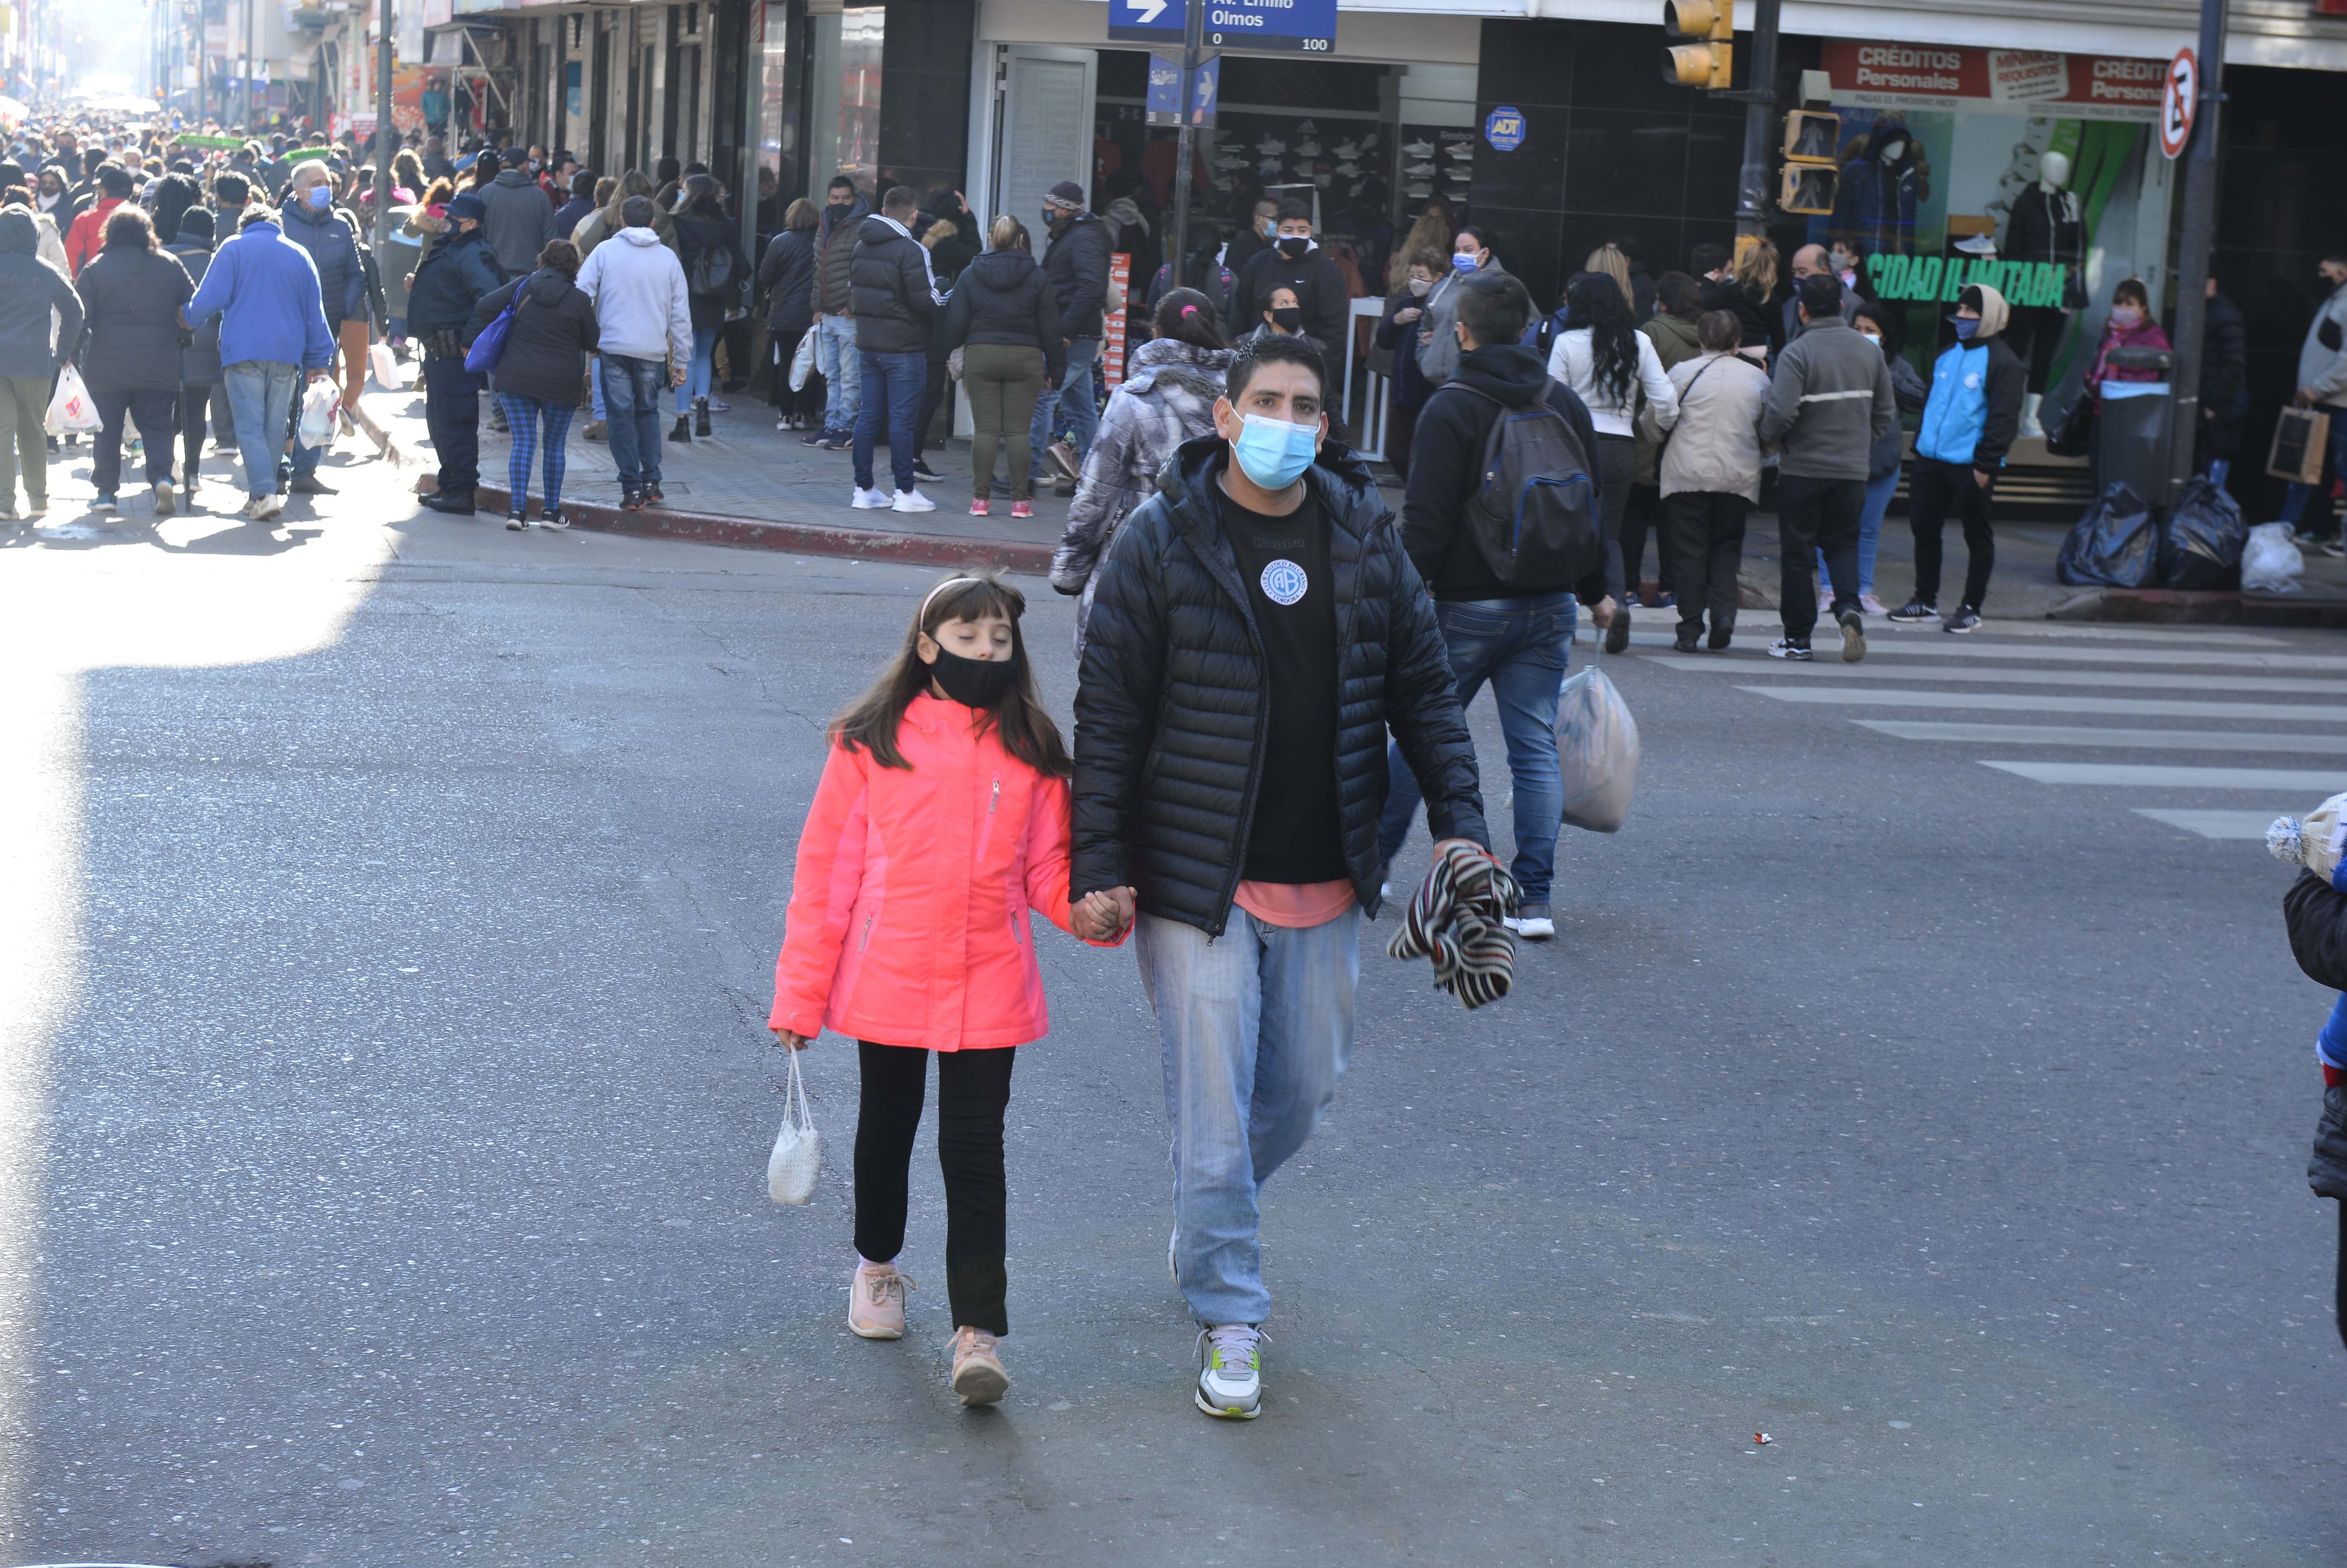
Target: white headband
{"points": [[949, 583]]}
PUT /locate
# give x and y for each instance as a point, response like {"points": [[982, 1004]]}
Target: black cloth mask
{"points": [[973, 682], [1288, 318], [1294, 246]]}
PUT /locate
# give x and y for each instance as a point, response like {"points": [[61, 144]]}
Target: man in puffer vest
{"points": [[1968, 424]]}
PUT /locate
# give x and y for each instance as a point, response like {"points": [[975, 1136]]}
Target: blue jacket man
{"points": [[265, 289], [1969, 423]]}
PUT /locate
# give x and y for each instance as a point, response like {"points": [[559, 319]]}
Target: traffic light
{"points": [[1711, 64], [1811, 178]]}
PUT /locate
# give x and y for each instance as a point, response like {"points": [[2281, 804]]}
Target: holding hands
{"points": [[1104, 916]]}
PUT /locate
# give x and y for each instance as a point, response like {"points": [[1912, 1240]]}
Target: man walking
{"points": [[1828, 402], [453, 277], [265, 289], [645, 311], [87, 235], [1077, 266], [896, 303], [518, 219], [835, 359], [311, 222], [1971, 418], [1296, 261], [34, 296], [1254, 631], [1517, 636]]}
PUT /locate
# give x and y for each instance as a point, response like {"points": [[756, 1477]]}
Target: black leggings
{"points": [[973, 1089]]}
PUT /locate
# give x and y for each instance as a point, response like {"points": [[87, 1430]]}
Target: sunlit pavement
{"points": [[385, 930]]}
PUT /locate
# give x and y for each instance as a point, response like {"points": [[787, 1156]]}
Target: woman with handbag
{"points": [[787, 273], [551, 330]]}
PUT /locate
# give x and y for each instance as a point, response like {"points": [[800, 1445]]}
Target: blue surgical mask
{"points": [[1967, 326], [1272, 452], [321, 195], [1463, 262]]}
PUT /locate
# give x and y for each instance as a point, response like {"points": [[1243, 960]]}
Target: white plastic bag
{"points": [[316, 426], [69, 407], [803, 361], [383, 365], [2270, 562], [1598, 751], [798, 1147]]}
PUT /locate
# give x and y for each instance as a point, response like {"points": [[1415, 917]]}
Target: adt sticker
{"points": [[1504, 128], [1284, 582]]}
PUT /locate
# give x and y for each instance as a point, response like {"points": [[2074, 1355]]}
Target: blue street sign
{"points": [[1165, 91], [1302, 27], [1504, 128]]}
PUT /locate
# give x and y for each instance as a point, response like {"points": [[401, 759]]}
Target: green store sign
{"points": [[1942, 278]]}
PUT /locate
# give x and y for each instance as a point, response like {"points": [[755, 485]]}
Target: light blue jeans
{"points": [[1257, 1026], [260, 400], [696, 373], [1870, 529], [1071, 405], [836, 356]]}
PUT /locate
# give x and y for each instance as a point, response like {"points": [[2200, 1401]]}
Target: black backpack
{"points": [[712, 271], [1534, 511]]}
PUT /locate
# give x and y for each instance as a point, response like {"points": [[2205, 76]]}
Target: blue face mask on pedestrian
{"points": [[320, 195], [1967, 326], [1272, 452]]}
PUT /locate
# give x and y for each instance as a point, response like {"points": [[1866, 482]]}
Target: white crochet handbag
{"points": [[798, 1147]]}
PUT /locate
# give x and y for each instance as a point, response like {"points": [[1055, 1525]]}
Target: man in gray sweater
{"points": [[1830, 399]]}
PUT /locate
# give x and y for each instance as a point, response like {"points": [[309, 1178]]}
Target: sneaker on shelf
{"points": [[1230, 1371], [977, 507], [875, 1302], [1914, 612], [926, 475], [1022, 508], [1532, 922], [1785, 647], [1967, 619], [1853, 635], [978, 1374], [911, 500], [1871, 605], [864, 500]]}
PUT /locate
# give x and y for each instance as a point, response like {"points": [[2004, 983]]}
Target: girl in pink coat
{"points": [[941, 824]]}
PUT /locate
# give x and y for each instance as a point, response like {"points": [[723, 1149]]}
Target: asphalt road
{"points": [[385, 938]]}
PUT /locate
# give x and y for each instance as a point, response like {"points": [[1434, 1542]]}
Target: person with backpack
{"points": [[716, 275], [1507, 614], [1708, 470]]}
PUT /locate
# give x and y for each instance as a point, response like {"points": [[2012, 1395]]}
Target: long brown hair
{"points": [[871, 721]]}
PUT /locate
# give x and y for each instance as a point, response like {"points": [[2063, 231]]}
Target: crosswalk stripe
{"points": [[2137, 680], [2042, 702], [2210, 658], [2144, 776], [2089, 735], [2213, 823]]}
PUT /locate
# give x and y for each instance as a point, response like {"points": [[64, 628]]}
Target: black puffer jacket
{"points": [[896, 306], [1174, 697], [547, 347], [1076, 264], [787, 274], [1004, 298], [131, 300], [835, 257]]}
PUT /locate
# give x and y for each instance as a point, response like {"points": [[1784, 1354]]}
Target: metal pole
{"points": [[1193, 41], [2192, 251], [1760, 121], [246, 129], [382, 133]]}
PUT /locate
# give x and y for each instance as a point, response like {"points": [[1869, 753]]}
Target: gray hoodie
{"points": [[641, 302], [1830, 401], [2323, 365], [1437, 358]]}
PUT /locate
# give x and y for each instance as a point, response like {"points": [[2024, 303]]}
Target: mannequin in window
{"points": [[1884, 181], [2046, 226]]}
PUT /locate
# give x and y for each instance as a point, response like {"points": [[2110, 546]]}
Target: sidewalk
{"points": [[752, 485]]}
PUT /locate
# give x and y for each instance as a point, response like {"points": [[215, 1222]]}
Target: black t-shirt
{"points": [[1284, 562]]}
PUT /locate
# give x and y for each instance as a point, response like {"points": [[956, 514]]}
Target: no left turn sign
{"points": [[2179, 102]]}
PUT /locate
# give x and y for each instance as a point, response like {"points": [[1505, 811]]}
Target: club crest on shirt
{"points": [[1284, 582]]}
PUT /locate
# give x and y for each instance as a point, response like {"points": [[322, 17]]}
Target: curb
{"points": [[1033, 560], [2177, 607]]}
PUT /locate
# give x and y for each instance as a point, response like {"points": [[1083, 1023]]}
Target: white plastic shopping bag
{"points": [[316, 426], [803, 361], [1598, 751], [2270, 562], [383, 365], [69, 407], [798, 1147]]}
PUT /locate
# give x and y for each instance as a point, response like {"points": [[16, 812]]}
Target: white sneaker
{"points": [[869, 500], [165, 503], [1230, 1376], [1531, 928], [875, 1302], [911, 500], [266, 508]]}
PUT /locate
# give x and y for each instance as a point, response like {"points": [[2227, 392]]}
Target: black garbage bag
{"points": [[2200, 542], [2113, 545]]}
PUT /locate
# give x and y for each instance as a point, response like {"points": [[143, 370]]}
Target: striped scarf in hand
{"points": [[1454, 917]]}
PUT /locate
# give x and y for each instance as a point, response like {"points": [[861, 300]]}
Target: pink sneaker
{"points": [[875, 1302], [1870, 605], [978, 1374], [1022, 508], [977, 507]]}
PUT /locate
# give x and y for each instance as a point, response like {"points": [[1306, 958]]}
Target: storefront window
{"points": [[847, 92]]}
